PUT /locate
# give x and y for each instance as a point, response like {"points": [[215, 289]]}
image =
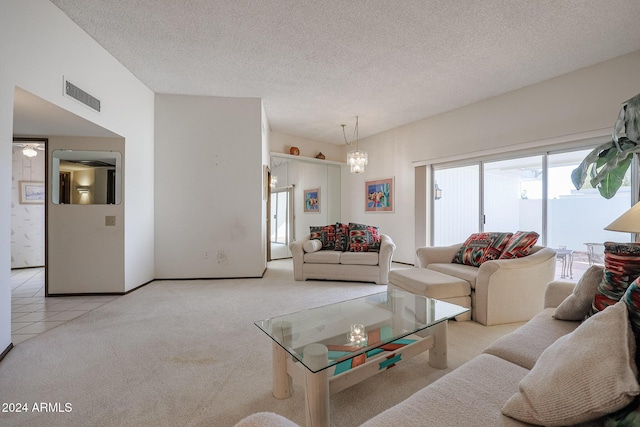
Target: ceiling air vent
{"points": [[82, 96]]}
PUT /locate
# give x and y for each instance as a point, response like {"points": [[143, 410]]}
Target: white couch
{"points": [[337, 265], [475, 393]]}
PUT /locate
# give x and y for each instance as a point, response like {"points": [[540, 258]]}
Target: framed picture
{"points": [[312, 200], [31, 192], [379, 195]]}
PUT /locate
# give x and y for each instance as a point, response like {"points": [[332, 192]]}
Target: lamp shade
{"points": [[628, 222]]}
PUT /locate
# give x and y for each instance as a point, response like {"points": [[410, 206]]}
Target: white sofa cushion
{"points": [[359, 258], [429, 283], [578, 378], [465, 272], [471, 395], [322, 257], [525, 345]]}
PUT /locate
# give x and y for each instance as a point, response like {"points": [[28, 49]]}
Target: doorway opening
{"points": [[282, 222]]}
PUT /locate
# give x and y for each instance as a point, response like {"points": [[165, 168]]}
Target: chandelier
{"points": [[356, 159], [29, 151]]}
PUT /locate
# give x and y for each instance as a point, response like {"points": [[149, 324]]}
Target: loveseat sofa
{"points": [[501, 290], [548, 372], [311, 262]]}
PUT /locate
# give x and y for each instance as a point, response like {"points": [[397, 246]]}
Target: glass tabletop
{"points": [[354, 327]]}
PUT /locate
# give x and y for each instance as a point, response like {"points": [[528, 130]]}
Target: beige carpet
{"points": [[186, 353]]}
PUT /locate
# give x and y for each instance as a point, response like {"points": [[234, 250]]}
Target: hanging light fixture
{"points": [[356, 159], [29, 151]]}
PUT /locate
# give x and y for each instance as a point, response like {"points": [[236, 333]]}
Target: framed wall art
{"points": [[312, 200], [31, 192], [379, 195]]}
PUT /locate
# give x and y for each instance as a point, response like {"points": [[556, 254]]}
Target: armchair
{"points": [[503, 290]]}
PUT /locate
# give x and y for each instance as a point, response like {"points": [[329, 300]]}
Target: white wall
{"points": [[584, 101], [209, 197], [27, 220], [45, 46]]}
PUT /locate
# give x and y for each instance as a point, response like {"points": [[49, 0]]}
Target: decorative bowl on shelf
{"points": [[295, 151]]}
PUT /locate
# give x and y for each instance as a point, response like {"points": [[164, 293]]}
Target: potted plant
{"points": [[607, 164]]}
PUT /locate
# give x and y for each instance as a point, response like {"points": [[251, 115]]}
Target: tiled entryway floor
{"points": [[32, 313]]}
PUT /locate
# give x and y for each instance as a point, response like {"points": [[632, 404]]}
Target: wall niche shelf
{"points": [[307, 159]]}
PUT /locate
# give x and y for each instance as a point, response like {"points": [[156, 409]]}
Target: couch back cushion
{"points": [[519, 244], [326, 234], [481, 247], [342, 237], [363, 238], [621, 268]]}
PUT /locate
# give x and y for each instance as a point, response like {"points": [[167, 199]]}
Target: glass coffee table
{"points": [[332, 347]]}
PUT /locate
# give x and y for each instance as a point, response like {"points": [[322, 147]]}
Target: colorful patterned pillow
{"points": [[621, 267], [363, 238], [481, 247], [342, 237], [326, 234], [519, 244]]}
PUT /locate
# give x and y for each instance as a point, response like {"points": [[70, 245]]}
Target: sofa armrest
{"points": [[387, 247], [436, 254], [265, 419], [297, 252], [556, 292], [512, 290]]}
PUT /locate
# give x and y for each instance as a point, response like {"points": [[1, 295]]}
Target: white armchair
{"points": [[502, 291]]}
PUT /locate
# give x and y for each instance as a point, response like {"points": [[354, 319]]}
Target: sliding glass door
{"points": [[513, 194], [529, 193]]}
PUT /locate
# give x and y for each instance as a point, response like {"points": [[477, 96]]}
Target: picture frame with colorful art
{"points": [[379, 195], [312, 200]]}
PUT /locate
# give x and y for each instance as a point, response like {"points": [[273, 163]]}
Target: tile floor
{"points": [[32, 313]]}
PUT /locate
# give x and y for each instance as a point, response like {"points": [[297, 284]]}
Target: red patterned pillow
{"points": [[621, 267], [520, 244], [481, 247], [326, 234], [363, 238], [342, 237]]}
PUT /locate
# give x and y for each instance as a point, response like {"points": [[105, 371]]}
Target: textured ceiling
{"points": [[317, 64]]}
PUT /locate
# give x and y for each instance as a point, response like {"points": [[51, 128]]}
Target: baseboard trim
{"points": [[138, 287], [89, 294], [6, 351]]}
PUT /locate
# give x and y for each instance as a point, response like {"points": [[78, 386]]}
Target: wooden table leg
{"points": [[316, 386], [438, 354], [282, 381]]}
